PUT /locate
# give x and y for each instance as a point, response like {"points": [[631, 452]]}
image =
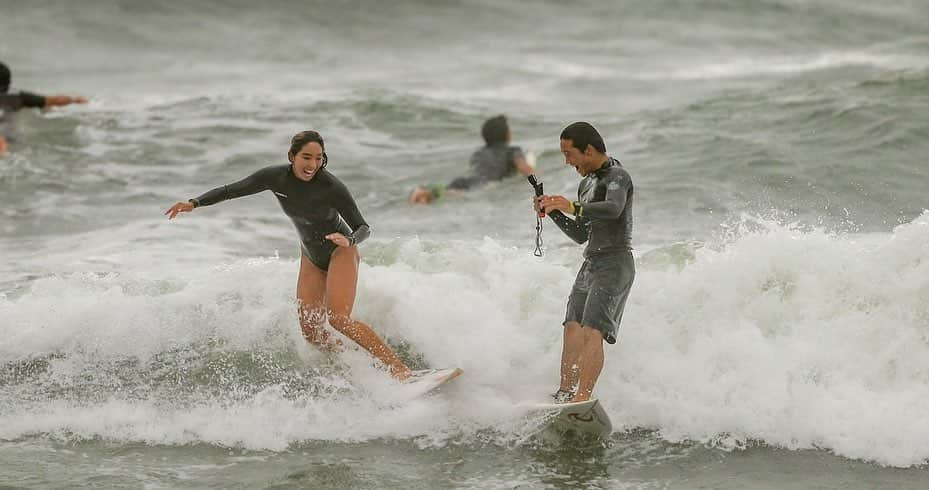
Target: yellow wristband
{"points": [[572, 208]]}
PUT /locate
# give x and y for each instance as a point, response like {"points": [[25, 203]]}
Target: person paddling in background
{"points": [[495, 161], [330, 227], [11, 103], [603, 219]]}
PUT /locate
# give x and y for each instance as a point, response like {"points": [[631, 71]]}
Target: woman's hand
{"points": [[181, 207], [338, 239]]}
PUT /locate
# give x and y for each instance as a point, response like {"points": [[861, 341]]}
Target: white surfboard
{"points": [[425, 382], [584, 417]]}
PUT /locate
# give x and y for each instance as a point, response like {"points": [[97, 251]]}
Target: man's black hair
{"points": [[582, 134], [4, 78], [494, 130]]}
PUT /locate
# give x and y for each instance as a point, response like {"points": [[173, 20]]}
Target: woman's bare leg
{"points": [[341, 283], [311, 306]]}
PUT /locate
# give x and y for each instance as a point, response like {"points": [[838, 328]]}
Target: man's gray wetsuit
{"points": [[603, 220], [317, 208]]}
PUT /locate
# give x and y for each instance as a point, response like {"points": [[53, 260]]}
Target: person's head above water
{"points": [[307, 154], [496, 131], [4, 78], [582, 147]]}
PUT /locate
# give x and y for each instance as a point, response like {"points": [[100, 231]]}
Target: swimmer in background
{"points": [[11, 103], [495, 161]]}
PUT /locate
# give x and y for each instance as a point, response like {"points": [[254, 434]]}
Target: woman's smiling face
{"points": [[308, 161]]}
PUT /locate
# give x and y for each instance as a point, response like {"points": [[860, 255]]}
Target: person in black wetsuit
{"points": [[495, 161], [330, 228], [10, 103], [603, 219]]}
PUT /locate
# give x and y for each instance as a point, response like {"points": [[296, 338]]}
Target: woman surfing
{"points": [[330, 228]]}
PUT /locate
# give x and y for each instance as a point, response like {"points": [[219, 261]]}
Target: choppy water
{"points": [[778, 331]]}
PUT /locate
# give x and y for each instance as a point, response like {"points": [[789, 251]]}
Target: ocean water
{"points": [[777, 335]]}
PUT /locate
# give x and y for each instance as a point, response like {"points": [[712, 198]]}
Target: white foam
{"points": [[794, 337]]}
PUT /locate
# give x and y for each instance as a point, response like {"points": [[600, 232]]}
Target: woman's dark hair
{"points": [[301, 139], [494, 130], [4, 78], [582, 134]]}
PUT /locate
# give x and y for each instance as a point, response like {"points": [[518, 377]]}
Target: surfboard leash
{"points": [[538, 216], [538, 237]]}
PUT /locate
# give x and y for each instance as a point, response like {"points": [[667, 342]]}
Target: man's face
{"points": [[574, 157]]}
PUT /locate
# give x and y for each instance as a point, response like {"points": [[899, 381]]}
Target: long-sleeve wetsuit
{"points": [[10, 103], [604, 214], [317, 208]]}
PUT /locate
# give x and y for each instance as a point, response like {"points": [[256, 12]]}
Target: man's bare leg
{"points": [[570, 356], [591, 363]]}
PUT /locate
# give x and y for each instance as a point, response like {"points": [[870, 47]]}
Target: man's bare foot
{"points": [[562, 395]]}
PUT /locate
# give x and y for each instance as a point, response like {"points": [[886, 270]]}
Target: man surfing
{"points": [[602, 218]]}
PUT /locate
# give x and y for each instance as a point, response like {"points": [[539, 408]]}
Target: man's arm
{"points": [[45, 101], [613, 203], [520, 163], [555, 207], [522, 166], [62, 100], [576, 231]]}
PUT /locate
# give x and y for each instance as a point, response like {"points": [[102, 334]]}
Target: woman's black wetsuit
{"points": [[317, 208]]}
